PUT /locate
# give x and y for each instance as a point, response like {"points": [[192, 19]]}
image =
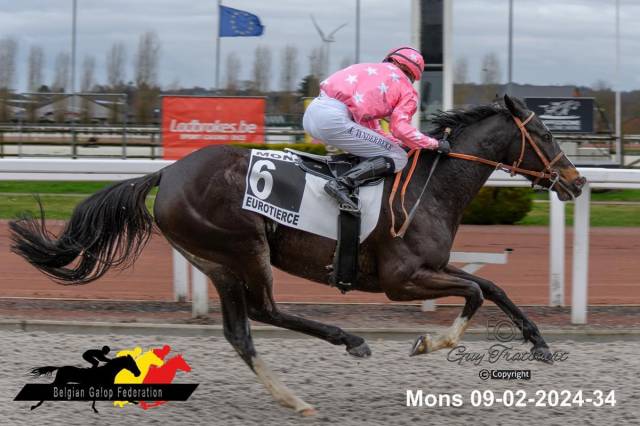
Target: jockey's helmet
{"points": [[409, 57]]}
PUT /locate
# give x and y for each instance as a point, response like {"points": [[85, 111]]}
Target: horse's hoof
{"points": [[421, 346], [308, 412], [360, 351], [542, 354]]}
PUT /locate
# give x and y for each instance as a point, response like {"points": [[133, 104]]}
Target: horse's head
{"points": [[130, 364], [535, 149], [181, 364]]}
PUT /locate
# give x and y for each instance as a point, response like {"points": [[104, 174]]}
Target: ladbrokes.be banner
{"points": [[190, 123]]}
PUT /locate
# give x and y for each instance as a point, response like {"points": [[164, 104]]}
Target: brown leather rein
{"points": [[546, 173]]}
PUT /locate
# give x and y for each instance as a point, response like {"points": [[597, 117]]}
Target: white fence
{"points": [[107, 170]]}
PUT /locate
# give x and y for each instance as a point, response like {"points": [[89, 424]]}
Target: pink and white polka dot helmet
{"points": [[409, 57]]}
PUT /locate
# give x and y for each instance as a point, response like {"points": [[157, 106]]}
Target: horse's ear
{"points": [[514, 108]]}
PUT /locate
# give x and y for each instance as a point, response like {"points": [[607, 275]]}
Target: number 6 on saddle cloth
{"points": [[288, 187]]}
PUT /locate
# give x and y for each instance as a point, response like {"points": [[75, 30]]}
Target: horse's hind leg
{"points": [[495, 294], [263, 308], [426, 284], [238, 334]]}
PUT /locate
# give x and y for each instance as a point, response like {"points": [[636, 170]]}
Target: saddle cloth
{"points": [[278, 188]]}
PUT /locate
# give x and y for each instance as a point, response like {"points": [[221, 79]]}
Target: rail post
{"points": [[180, 277], [199, 293], [580, 257], [556, 250]]}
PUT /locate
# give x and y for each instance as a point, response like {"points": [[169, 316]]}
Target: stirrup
{"points": [[348, 208], [335, 192]]}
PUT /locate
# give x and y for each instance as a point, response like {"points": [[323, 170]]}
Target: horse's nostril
{"points": [[580, 182]]}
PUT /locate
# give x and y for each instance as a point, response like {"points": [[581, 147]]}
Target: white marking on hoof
{"points": [[279, 390], [421, 346], [308, 412], [448, 339]]}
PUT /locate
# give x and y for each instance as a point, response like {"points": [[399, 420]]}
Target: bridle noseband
{"points": [[546, 173]]}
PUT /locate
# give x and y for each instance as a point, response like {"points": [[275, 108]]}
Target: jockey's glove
{"points": [[443, 146]]}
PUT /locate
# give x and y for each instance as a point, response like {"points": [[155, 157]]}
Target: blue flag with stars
{"points": [[238, 23]]}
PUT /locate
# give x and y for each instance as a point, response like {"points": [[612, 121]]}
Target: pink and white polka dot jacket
{"points": [[379, 90]]}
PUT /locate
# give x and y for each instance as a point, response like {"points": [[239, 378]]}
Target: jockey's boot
{"points": [[368, 169]]}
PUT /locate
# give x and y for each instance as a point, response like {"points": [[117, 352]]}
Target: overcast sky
{"points": [[556, 41]]}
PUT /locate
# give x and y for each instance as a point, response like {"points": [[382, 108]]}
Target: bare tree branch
{"points": [[461, 71], [262, 69], [36, 64], [146, 60], [88, 71], [317, 62], [233, 71], [61, 72], [8, 53], [116, 57], [289, 70], [491, 73]]}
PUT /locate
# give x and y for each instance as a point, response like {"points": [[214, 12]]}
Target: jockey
{"points": [[348, 111]]}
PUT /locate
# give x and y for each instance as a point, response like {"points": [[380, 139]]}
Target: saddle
{"points": [[328, 166], [344, 271]]}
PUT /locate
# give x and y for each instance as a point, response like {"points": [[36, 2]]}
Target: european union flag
{"points": [[238, 23]]}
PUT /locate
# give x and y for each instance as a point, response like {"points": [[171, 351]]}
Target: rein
{"points": [[546, 173]]}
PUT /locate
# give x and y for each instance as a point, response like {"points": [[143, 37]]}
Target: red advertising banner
{"points": [[190, 123]]}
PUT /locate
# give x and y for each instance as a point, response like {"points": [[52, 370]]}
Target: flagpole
{"points": [[357, 31], [218, 47]]}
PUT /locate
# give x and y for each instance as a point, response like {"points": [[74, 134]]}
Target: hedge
{"points": [[498, 206]]}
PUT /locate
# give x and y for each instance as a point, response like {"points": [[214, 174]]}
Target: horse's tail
{"points": [[110, 228], [42, 371]]}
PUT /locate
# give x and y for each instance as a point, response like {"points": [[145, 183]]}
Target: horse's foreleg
{"points": [[238, 334], [263, 308], [426, 284], [33, 407], [93, 406], [495, 294]]}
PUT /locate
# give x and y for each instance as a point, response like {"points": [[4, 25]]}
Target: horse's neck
{"points": [[458, 181]]}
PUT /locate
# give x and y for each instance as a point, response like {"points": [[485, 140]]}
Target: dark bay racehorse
{"points": [[103, 375], [198, 209]]}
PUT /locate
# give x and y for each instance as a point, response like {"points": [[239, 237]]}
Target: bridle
{"points": [[546, 173]]}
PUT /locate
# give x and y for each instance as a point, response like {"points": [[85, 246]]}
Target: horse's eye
{"points": [[547, 137]]}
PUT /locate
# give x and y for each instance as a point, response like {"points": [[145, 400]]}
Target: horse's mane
{"points": [[457, 119]]}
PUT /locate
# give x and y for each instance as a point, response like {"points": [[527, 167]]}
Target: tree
{"points": [[61, 77], [86, 83], [289, 70], [309, 86], [146, 75], [461, 71], [491, 73], [116, 57], [262, 69], [316, 62], [8, 53], [36, 64], [88, 71], [61, 72], [146, 60], [233, 71]]}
